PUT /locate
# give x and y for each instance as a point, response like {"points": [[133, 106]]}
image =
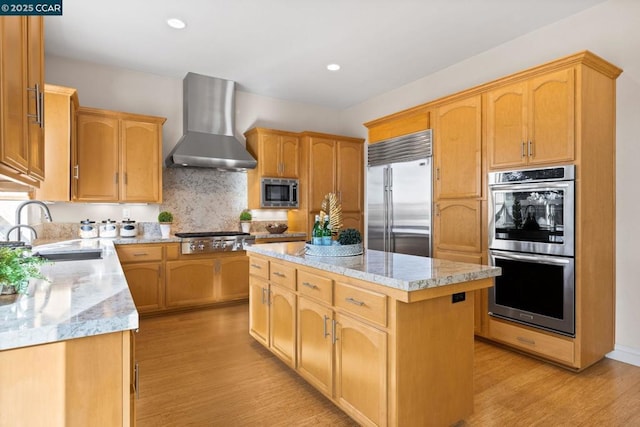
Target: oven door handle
{"points": [[534, 258]]}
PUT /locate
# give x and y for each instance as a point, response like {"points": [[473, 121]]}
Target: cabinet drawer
{"points": [[536, 342], [138, 253], [259, 267], [315, 286], [364, 303], [282, 275]]}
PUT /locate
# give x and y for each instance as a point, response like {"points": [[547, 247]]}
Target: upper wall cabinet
{"points": [[532, 122], [117, 157], [402, 123], [21, 98], [276, 152], [458, 149], [61, 104]]}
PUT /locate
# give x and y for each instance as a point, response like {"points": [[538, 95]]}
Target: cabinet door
{"points": [[315, 347], [457, 225], [458, 146], [353, 220], [232, 278], [269, 154], [506, 126], [551, 118], [145, 284], [13, 63], [290, 146], [350, 175], [282, 321], [361, 371], [35, 80], [141, 162], [259, 310], [97, 157], [321, 171], [190, 282]]}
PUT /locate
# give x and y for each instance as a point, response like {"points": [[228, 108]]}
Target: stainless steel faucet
{"points": [[18, 227], [47, 216]]}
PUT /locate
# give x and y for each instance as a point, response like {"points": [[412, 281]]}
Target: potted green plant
{"points": [[17, 266], [165, 219], [245, 221]]}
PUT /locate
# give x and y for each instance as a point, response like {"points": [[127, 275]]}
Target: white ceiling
{"points": [[280, 48]]}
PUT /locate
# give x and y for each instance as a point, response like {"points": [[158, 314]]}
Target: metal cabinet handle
{"points": [[38, 114], [522, 153], [277, 273], [116, 177], [76, 171], [354, 301], [530, 148], [437, 174], [309, 285], [141, 254], [526, 340], [324, 326], [263, 297], [136, 380], [256, 266], [334, 338]]}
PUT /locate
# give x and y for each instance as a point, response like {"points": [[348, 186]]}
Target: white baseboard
{"points": [[625, 354]]}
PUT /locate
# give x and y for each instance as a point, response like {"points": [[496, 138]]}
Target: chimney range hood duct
{"points": [[209, 122]]}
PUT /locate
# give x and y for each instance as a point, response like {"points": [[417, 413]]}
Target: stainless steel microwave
{"points": [[279, 193]]}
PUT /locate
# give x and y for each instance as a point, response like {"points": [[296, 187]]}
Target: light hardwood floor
{"points": [[202, 368]]}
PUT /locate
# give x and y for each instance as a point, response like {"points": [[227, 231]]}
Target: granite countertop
{"points": [[80, 298], [399, 271]]}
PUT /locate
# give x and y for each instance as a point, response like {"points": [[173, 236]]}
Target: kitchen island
{"points": [[387, 337], [66, 348]]}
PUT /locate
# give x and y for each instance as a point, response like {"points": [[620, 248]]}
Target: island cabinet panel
{"points": [[361, 370], [272, 317], [386, 356], [315, 344], [71, 383]]}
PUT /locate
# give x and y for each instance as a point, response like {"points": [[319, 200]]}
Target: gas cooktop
{"points": [[211, 234], [214, 241]]}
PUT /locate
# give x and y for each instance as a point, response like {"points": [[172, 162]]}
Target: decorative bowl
{"points": [[276, 228]]}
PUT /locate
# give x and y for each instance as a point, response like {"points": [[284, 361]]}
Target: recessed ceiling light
{"points": [[176, 23], [333, 67]]}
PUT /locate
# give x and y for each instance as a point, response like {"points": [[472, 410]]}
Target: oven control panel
{"points": [[215, 244]]}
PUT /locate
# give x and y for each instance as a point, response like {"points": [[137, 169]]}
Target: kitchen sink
{"points": [[72, 250]]}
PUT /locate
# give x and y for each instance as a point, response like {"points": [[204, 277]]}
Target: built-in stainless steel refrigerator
{"points": [[399, 195]]}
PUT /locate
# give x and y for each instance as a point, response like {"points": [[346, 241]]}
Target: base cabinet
{"points": [[78, 382], [384, 361], [161, 279]]}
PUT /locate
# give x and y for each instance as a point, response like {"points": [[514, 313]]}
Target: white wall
{"points": [[610, 30]]}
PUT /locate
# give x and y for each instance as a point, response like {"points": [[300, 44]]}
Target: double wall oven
{"points": [[531, 237]]}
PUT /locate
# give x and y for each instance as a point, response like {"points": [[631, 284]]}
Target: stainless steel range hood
{"points": [[209, 122]]}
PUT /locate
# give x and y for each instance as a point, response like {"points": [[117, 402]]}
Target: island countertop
{"points": [[78, 299], [403, 272]]}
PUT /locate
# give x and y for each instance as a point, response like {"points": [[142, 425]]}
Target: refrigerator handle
{"points": [[385, 226], [391, 243]]}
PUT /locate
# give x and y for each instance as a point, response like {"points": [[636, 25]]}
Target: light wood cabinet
{"points": [[402, 123], [21, 99], [361, 370], [278, 156], [160, 279], [532, 122], [272, 317], [458, 225], [117, 157], [69, 383], [458, 149], [331, 164], [61, 104], [385, 357]]}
